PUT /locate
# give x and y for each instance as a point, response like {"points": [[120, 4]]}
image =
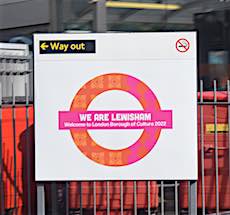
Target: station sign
{"points": [[115, 106]]}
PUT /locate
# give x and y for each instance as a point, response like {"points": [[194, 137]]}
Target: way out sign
{"points": [[117, 107]]}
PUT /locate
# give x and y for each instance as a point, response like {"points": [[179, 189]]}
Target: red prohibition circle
{"points": [[149, 102], [181, 47]]}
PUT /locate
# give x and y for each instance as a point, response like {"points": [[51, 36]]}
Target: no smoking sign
{"points": [[182, 45]]}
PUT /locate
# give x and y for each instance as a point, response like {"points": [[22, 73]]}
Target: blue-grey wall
{"points": [[18, 13]]}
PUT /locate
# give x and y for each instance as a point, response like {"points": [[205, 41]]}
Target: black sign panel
{"points": [[67, 46]]}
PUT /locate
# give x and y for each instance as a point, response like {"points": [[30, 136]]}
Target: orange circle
{"points": [[82, 100]]}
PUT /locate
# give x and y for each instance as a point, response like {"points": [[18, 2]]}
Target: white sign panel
{"points": [[115, 106]]}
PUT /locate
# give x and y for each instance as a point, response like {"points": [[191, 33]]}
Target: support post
{"points": [[99, 20], [193, 198], [56, 16], [40, 199]]}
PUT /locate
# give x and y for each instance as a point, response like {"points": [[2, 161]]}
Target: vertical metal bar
{"points": [[189, 196], [54, 210], [216, 148], [15, 149], [135, 197], [193, 198], [99, 21], [81, 209], [67, 198], [228, 88], [202, 146], [40, 199], [94, 198], [121, 197], [162, 198], [108, 198], [176, 198], [1, 158], [28, 163], [149, 197]]}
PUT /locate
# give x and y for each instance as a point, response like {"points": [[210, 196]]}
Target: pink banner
{"points": [[115, 119]]}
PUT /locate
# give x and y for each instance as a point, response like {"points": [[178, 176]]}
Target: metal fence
{"points": [[20, 194]]}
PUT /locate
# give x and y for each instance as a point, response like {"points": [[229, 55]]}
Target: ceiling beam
{"points": [[142, 5]]}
